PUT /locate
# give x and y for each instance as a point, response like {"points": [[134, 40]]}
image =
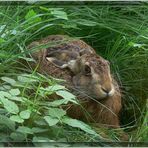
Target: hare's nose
{"points": [[108, 91]]}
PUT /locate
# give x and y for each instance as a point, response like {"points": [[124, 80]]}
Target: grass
{"points": [[118, 33]]}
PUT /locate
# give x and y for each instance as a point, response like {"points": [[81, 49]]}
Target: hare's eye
{"points": [[87, 70]]}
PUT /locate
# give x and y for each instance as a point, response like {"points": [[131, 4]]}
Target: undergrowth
{"points": [[117, 33]]}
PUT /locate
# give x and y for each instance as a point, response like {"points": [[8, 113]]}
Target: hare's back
{"points": [[64, 42]]}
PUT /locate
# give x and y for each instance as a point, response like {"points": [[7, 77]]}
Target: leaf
{"points": [[25, 78], [53, 88], [25, 114], [7, 122], [17, 136], [41, 139], [50, 89], [51, 121], [8, 87], [2, 27], [59, 14], [24, 129], [4, 94], [32, 17], [42, 142], [15, 98], [58, 102], [14, 92], [9, 80], [67, 96], [16, 118], [56, 112], [14, 32], [79, 124], [10, 106], [2, 40], [38, 130], [30, 14], [3, 111], [40, 122], [86, 22]]}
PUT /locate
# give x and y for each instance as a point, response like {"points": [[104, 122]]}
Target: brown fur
{"points": [[102, 111]]}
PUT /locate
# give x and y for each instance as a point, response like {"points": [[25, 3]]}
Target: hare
{"points": [[91, 81]]}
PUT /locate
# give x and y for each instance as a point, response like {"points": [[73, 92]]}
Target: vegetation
{"points": [[118, 33]]}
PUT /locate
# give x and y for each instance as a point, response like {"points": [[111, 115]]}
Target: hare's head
{"points": [[94, 78]]}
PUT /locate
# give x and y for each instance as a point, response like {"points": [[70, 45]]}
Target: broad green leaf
{"points": [[38, 130], [14, 92], [17, 136], [9, 80], [59, 14], [6, 87], [51, 121], [67, 96], [3, 111], [24, 129], [14, 32], [53, 88], [16, 118], [58, 102], [25, 114], [79, 124], [25, 78], [56, 112], [4, 94], [50, 89], [15, 98], [10, 106], [40, 122], [32, 14], [41, 139], [7, 122], [2, 27], [2, 40]]}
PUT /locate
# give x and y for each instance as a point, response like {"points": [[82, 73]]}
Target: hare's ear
{"points": [[53, 53], [56, 62]]}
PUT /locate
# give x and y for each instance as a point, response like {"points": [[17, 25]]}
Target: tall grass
{"points": [[117, 33]]}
